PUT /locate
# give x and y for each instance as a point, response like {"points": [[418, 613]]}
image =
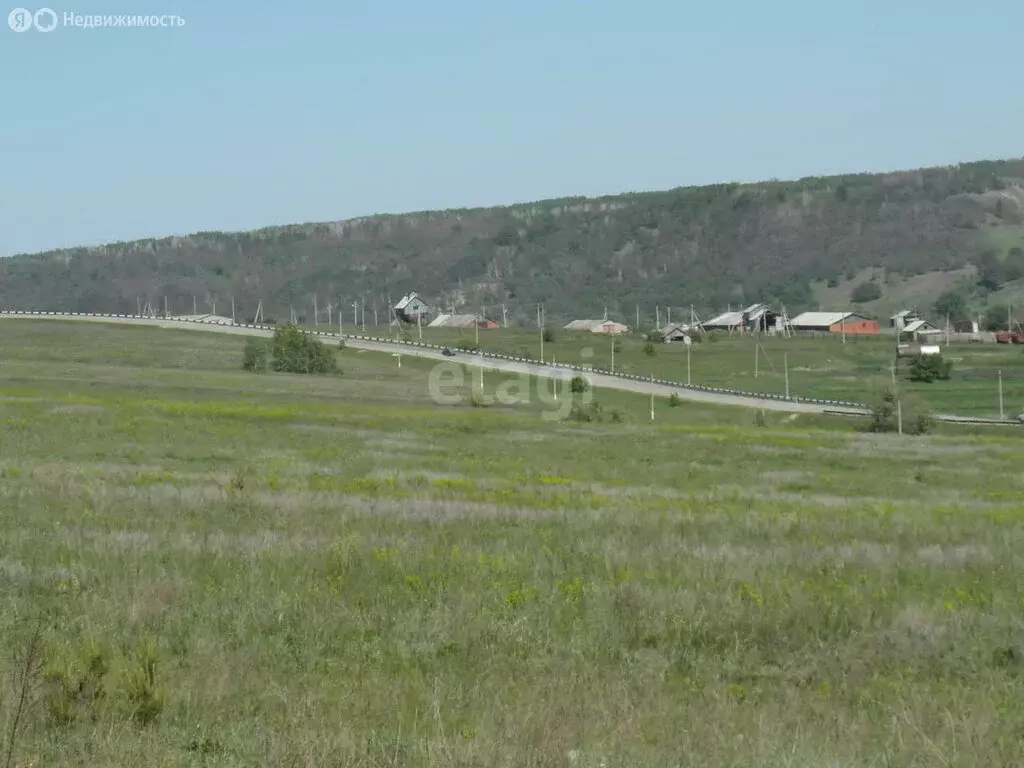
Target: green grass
{"points": [[240, 569], [819, 367]]}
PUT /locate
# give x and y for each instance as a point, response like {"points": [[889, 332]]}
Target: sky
{"points": [[258, 114]]}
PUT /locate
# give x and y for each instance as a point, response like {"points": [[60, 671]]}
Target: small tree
{"points": [[296, 352], [649, 348], [929, 368], [996, 317], [256, 355], [891, 405], [548, 335], [866, 292], [578, 385]]}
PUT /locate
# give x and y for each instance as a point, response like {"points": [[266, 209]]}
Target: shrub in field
{"points": [[293, 351], [548, 336], [649, 348], [256, 356], [656, 337], [578, 385], [593, 412], [929, 368], [885, 414], [674, 401]]}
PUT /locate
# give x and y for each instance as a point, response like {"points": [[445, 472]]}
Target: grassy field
{"points": [[819, 367], [233, 569]]}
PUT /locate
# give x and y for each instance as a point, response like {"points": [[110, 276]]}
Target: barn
{"points": [[598, 326], [462, 321], [849, 323]]}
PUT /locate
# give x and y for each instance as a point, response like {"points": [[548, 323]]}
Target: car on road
{"points": [[447, 352]]}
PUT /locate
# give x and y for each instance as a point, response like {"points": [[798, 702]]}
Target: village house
{"points": [[412, 309], [849, 323]]}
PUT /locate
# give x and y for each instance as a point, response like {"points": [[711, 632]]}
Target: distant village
{"points": [[909, 325]]}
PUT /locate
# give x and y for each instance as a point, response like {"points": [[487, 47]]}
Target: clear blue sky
{"points": [[315, 110]]}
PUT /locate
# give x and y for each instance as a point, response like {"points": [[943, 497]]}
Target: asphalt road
{"points": [[509, 366]]}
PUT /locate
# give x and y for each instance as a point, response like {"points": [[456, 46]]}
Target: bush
{"points": [[593, 412], [649, 348], [256, 355], [656, 337], [548, 335], [293, 351], [674, 401], [578, 385], [866, 292], [929, 368], [885, 414]]}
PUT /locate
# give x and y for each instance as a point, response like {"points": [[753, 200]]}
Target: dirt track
{"points": [[597, 380]]}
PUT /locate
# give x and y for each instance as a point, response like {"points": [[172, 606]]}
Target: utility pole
{"points": [[375, 314], [652, 397], [504, 317], [785, 363], [341, 314], [638, 317], [232, 309], [540, 327], [688, 363], [899, 416], [363, 300], [476, 329], [165, 308], [893, 368], [355, 314], [330, 306], [194, 311], [657, 316], [419, 324], [843, 321], [1002, 414], [316, 314], [669, 320], [757, 347]]}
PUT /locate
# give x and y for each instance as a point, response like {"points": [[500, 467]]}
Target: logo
{"points": [[22, 20], [46, 20]]}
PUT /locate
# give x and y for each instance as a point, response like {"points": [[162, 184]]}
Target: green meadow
{"points": [[819, 367], [204, 567]]}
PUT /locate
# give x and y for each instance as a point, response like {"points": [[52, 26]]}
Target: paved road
{"points": [[509, 366]]}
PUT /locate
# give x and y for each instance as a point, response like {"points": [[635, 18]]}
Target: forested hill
{"points": [[708, 246]]}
